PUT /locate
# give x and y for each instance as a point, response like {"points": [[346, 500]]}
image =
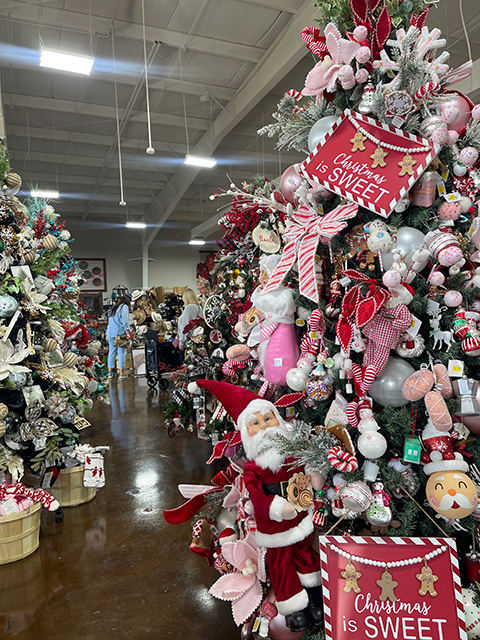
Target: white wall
{"points": [[174, 264]]}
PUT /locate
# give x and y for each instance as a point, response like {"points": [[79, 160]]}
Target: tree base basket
{"points": [[69, 490], [19, 534]]}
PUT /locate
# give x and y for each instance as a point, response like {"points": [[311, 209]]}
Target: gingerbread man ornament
{"points": [[387, 584], [427, 580], [351, 576]]}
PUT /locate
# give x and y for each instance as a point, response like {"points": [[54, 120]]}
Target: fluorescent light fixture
{"points": [[195, 241], [200, 161], [40, 193], [66, 61], [136, 225]]}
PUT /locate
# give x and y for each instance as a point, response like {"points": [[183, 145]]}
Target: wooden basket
{"points": [[19, 534], [69, 490]]}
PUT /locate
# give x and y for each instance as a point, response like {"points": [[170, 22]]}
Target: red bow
{"points": [[233, 439]]}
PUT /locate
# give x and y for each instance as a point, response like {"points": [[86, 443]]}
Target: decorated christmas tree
{"points": [[364, 429], [50, 370]]}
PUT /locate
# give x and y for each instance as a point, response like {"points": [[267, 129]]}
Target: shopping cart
{"points": [[160, 358]]}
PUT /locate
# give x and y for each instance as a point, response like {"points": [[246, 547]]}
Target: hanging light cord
{"points": [[122, 202], [150, 150]]}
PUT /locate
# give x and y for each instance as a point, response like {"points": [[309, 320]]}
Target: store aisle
{"points": [[114, 569]]}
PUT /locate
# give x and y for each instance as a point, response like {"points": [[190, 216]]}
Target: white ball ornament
{"points": [[372, 445], [319, 129], [465, 204], [459, 169], [296, 380]]}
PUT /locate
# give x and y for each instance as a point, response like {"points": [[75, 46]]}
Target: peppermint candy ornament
{"points": [[342, 460]]}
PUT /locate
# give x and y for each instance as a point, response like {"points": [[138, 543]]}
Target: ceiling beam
{"points": [[286, 52], [172, 148], [289, 6], [16, 100], [57, 18]]}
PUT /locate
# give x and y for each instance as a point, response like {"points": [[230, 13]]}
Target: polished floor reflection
{"points": [[114, 569]]}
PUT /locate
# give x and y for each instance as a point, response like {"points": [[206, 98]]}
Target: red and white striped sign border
{"points": [[368, 547], [348, 131]]}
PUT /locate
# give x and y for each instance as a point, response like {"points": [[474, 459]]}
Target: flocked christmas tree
{"points": [[50, 370], [378, 271]]}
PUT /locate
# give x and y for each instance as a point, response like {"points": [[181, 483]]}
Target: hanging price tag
{"points": [[414, 328], [455, 368]]}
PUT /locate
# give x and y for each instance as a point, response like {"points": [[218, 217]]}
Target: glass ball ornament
{"points": [[319, 389], [319, 130], [464, 109], [459, 169], [150, 151], [387, 388], [17, 378], [8, 306], [409, 240], [68, 416], [289, 182]]}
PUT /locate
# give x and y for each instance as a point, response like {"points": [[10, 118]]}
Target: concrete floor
{"points": [[114, 569]]}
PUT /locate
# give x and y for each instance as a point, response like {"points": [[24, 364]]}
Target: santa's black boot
{"points": [[297, 621], [314, 609]]}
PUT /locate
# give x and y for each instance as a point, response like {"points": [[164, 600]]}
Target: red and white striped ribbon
{"points": [[306, 228], [315, 41], [293, 93]]}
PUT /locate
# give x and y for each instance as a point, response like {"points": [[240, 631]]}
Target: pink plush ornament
{"points": [[449, 211], [468, 156], [476, 112], [451, 113], [439, 136], [360, 33], [438, 411], [363, 55], [453, 298], [436, 278], [465, 109], [391, 278], [345, 73], [452, 136], [289, 182], [362, 76], [418, 385]]}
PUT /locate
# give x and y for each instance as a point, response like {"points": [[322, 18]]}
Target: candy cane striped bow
{"points": [[304, 233], [315, 42]]}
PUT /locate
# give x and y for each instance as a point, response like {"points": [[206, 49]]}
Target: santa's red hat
{"points": [[234, 399]]}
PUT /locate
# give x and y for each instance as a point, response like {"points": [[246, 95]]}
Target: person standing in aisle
{"points": [[191, 311], [118, 328]]}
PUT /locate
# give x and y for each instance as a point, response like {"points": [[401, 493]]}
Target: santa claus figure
{"points": [[282, 495]]}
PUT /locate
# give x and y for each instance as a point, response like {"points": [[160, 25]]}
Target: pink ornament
{"points": [[360, 33], [449, 211], [277, 628], [362, 76], [363, 55], [465, 108], [451, 113], [476, 112], [436, 278], [468, 156], [449, 257], [453, 298], [452, 136], [346, 73], [391, 279], [348, 84], [289, 182], [439, 136]]}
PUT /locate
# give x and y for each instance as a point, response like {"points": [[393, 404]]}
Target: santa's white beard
{"points": [[271, 458], [447, 501]]}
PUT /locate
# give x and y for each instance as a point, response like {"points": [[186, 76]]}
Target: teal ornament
{"points": [[8, 306]]}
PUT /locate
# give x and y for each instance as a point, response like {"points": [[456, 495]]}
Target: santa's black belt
{"points": [[276, 489]]}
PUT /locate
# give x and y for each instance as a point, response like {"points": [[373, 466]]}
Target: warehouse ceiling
{"points": [[216, 69]]}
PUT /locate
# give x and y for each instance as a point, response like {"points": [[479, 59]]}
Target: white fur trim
{"points": [[276, 509], [193, 388], [310, 579], [445, 465], [285, 538], [298, 602]]}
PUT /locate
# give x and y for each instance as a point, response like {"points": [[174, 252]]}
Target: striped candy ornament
{"points": [[293, 93], [342, 460], [306, 228], [315, 41]]}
